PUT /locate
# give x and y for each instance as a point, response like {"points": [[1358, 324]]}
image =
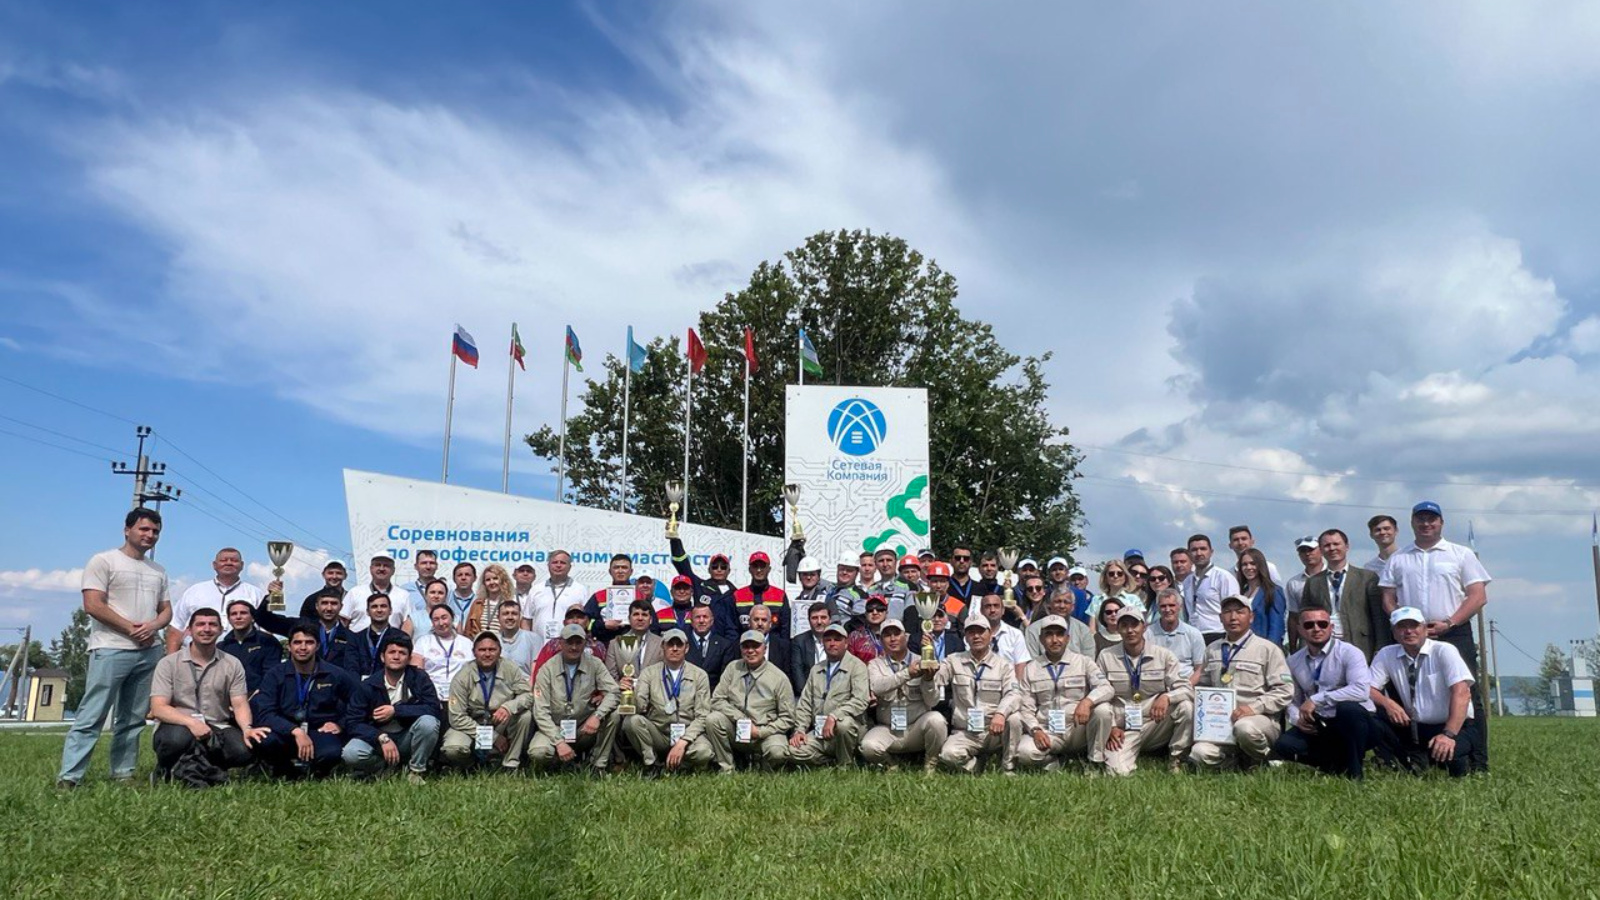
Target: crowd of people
{"points": [[897, 661]]}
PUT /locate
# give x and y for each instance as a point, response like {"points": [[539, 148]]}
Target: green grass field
{"points": [[1528, 830]]}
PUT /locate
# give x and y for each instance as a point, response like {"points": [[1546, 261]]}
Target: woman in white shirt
{"points": [[442, 652]]}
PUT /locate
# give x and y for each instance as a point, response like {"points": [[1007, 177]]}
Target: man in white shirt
{"points": [[125, 595], [214, 594], [1204, 589], [1448, 583], [1184, 640], [1240, 539], [1009, 643], [549, 600], [380, 581], [1311, 563], [1330, 714], [1384, 532], [1431, 701]]}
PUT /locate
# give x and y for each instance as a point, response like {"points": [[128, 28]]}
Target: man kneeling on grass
{"points": [[395, 716], [198, 696], [304, 701], [752, 708], [490, 709], [573, 701], [673, 698], [833, 702]]}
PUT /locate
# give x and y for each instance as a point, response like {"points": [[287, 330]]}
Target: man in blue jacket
{"points": [[394, 717], [256, 650], [369, 641], [304, 701]]}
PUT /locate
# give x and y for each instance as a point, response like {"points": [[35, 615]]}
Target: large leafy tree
{"points": [[880, 314]]}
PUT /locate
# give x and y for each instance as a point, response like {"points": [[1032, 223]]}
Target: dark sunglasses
{"points": [[1034, 588], [1158, 577], [1317, 625], [962, 558]]}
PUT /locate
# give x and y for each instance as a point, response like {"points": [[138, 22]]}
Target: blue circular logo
{"points": [[856, 427]]}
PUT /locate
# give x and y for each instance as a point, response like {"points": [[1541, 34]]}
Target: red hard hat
{"points": [[937, 569], [910, 560]]}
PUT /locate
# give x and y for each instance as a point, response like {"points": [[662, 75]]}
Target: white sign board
{"points": [[399, 516], [860, 457]]}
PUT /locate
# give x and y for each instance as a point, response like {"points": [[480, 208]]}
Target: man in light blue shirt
{"points": [[1184, 640], [1330, 716]]}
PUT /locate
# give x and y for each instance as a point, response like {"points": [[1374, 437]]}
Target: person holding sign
{"points": [[608, 607], [1057, 715], [832, 704], [983, 695], [1253, 686], [1154, 705], [673, 698], [490, 710], [906, 692], [752, 709], [573, 701]]}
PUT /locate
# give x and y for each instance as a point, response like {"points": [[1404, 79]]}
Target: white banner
{"points": [[399, 516], [860, 456]]}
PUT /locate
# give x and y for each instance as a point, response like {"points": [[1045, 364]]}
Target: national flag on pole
{"points": [[1594, 528], [517, 352], [1472, 537], [464, 347], [750, 364], [574, 351], [808, 355], [636, 354], [697, 353]]}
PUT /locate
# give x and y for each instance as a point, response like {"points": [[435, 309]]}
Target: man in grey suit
{"points": [[1350, 593]]}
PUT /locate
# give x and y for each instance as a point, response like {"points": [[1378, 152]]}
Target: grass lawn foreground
{"points": [[1531, 829]]}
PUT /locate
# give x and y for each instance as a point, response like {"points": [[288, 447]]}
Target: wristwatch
{"points": [[384, 739], [1450, 734]]}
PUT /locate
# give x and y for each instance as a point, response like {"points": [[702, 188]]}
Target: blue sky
{"points": [[1297, 264]]}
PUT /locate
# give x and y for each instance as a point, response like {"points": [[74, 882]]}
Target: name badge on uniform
{"points": [[1058, 721], [744, 728], [1134, 716], [569, 730], [817, 724], [974, 719], [551, 630], [897, 718], [483, 738], [675, 731]]}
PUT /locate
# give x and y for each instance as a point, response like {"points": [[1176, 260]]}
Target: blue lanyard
{"points": [[569, 675], [1135, 672], [827, 675], [977, 678], [673, 686], [376, 641], [1230, 651], [1055, 670], [1316, 672], [487, 687], [327, 643]]}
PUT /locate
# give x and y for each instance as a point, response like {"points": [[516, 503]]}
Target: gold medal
{"points": [[1138, 696], [1227, 678]]}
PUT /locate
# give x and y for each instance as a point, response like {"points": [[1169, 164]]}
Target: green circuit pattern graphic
{"points": [[898, 509]]}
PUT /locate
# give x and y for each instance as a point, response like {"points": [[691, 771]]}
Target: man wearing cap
{"points": [[1448, 583], [1183, 639], [523, 579], [806, 650], [713, 587], [256, 650], [573, 701], [1330, 714], [550, 599], [906, 693], [1056, 717], [552, 648], [1204, 588], [764, 620], [394, 716], [1154, 702], [1079, 638], [1254, 668], [380, 571], [677, 613], [638, 647], [1056, 581], [866, 641], [828, 716], [752, 708], [1350, 594], [846, 598], [708, 649], [1078, 579], [1423, 691], [1133, 556], [760, 592], [813, 589], [983, 696], [673, 698], [1311, 564], [937, 583], [490, 709]]}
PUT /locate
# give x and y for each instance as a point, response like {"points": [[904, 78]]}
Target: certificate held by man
{"points": [[1213, 714], [618, 599]]}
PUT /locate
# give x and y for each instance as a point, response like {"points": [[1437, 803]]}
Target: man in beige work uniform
{"points": [[906, 692], [1057, 715], [673, 699], [828, 717], [752, 709], [1255, 669], [983, 695], [1153, 704], [573, 701], [489, 709]]}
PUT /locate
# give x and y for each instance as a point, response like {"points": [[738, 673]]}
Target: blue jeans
{"points": [[416, 745], [119, 680]]}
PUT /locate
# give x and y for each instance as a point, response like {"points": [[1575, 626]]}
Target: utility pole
{"points": [[146, 491], [16, 671], [1494, 662]]}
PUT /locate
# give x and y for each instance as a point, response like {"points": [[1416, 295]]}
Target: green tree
{"points": [[880, 314], [1540, 698], [70, 651], [37, 657]]}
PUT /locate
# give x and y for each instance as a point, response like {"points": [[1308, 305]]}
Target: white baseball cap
{"points": [[1406, 614]]}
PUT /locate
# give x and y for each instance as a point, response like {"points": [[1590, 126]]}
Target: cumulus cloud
{"points": [[55, 581]]}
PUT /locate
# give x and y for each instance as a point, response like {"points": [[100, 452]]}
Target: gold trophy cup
{"points": [[1007, 557], [791, 493], [626, 707], [279, 552], [927, 604], [674, 498]]}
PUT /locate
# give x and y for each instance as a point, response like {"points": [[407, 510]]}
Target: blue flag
{"points": [[636, 353]]}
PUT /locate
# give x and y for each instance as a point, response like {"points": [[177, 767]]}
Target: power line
{"points": [[1502, 634], [36, 390], [1158, 487], [29, 437], [61, 434]]}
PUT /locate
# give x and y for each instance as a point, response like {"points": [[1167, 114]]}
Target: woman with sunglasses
{"points": [[1157, 580], [1139, 581], [1105, 625], [1115, 582], [1267, 600]]}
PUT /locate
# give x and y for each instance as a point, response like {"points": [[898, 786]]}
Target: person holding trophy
{"points": [[906, 689], [672, 699], [829, 714]]}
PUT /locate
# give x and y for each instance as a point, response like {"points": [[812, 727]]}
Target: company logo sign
{"points": [[857, 427]]}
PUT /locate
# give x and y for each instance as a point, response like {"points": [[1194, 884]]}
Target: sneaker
{"points": [[65, 784], [1175, 764], [414, 778]]}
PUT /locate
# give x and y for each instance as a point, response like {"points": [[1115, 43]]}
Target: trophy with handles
{"points": [[1008, 557], [674, 498], [279, 552], [791, 493], [927, 604]]}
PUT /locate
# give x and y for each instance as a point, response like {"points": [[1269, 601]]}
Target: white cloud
{"points": [[53, 581]]}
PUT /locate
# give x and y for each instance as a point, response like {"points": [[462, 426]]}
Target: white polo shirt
{"points": [[1296, 587], [355, 605], [442, 659], [1011, 644], [547, 606], [1202, 597], [1439, 665], [211, 594], [1433, 580]]}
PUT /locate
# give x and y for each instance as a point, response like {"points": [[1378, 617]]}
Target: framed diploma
{"points": [[618, 599], [1213, 714]]}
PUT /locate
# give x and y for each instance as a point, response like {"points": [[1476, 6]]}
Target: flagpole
{"points": [[561, 447], [511, 384], [800, 354], [744, 461], [627, 377], [1594, 556], [449, 410], [688, 410]]}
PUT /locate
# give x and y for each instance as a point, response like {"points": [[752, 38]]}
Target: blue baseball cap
{"points": [[1427, 506], [1130, 554]]}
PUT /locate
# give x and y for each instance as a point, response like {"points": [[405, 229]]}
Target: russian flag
{"points": [[464, 347]]}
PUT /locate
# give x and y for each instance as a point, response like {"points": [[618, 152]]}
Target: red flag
{"points": [[697, 353], [750, 350]]}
